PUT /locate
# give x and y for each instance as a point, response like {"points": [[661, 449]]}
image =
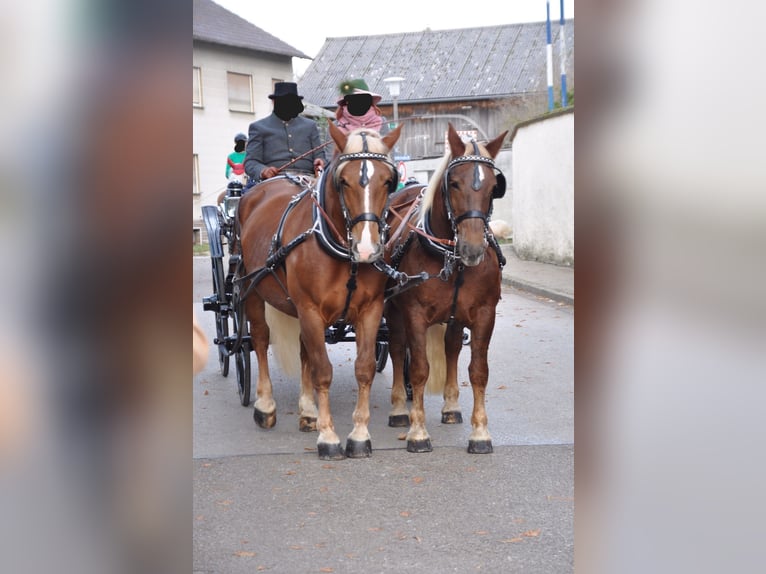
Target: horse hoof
{"points": [[265, 420], [423, 445], [358, 448], [398, 420], [480, 446], [452, 418], [332, 451], [307, 424]]}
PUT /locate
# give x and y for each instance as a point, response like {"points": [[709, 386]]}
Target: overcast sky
{"points": [[306, 24]]}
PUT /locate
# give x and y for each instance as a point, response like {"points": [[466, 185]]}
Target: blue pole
{"points": [[549, 54], [563, 57]]}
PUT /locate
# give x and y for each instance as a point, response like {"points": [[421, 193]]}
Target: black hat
{"points": [[285, 89]]}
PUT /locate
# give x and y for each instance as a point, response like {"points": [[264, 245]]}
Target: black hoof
{"points": [[480, 446], [423, 445], [265, 420], [307, 424], [398, 420], [452, 418], [330, 451], [358, 448]]}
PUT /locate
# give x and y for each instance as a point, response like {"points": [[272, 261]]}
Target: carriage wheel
{"points": [[221, 317], [242, 362], [407, 383], [241, 355], [381, 355]]}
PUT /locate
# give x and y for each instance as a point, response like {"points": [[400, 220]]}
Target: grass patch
{"points": [[201, 249]]}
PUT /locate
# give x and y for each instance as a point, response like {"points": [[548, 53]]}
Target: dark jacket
{"points": [[274, 142]]}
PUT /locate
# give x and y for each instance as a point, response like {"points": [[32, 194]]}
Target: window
{"points": [[240, 92], [195, 176], [197, 87]]}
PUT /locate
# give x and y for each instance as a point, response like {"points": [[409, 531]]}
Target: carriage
{"points": [[359, 287]]}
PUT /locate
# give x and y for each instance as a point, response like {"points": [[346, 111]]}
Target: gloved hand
{"points": [[269, 172]]}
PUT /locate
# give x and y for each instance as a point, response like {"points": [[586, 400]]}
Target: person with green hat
{"points": [[357, 108]]}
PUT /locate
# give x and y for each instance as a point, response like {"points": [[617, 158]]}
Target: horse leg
{"points": [[358, 443], [399, 415], [312, 336], [480, 441], [418, 439], [265, 409], [453, 343], [307, 408]]}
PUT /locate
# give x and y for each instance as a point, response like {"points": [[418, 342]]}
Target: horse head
{"points": [[470, 183], [363, 178]]}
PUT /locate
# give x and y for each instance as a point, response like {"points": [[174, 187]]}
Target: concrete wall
{"points": [[214, 125], [542, 210]]}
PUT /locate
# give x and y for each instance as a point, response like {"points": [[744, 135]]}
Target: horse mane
{"points": [[436, 179], [355, 143]]}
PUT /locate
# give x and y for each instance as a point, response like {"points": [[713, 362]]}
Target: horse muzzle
{"points": [[471, 254]]}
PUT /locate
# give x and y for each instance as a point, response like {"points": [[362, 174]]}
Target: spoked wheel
{"points": [[407, 383], [221, 315], [242, 354], [381, 355]]}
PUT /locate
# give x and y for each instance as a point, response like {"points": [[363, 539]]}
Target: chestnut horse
{"points": [[446, 234], [309, 255]]}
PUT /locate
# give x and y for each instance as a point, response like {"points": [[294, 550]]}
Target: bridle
{"points": [[364, 180], [498, 191]]}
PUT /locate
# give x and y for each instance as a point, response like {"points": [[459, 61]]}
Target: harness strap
{"points": [[458, 283]]}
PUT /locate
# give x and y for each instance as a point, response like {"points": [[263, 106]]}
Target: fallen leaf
{"points": [[296, 547], [308, 448], [374, 529], [328, 466], [326, 570], [507, 540], [404, 513], [418, 479], [532, 533], [290, 472], [206, 392], [224, 502], [207, 464], [244, 554], [501, 387], [481, 532]]}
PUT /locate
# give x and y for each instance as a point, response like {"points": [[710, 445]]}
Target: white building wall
{"points": [[543, 190], [214, 125]]}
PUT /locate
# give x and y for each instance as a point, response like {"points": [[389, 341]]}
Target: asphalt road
{"points": [[263, 501]]}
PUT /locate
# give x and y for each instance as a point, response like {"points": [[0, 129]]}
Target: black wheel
{"points": [[381, 355], [407, 383], [222, 315], [241, 355], [242, 361]]}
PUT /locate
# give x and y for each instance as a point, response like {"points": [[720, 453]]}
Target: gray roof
{"points": [[214, 23], [469, 63]]}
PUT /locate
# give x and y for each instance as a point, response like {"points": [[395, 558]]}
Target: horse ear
{"points": [[456, 145], [391, 137], [338, 136], [494, 146]]}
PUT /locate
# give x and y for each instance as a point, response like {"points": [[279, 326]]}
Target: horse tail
{"points": [[437, 359], [285, 332]]}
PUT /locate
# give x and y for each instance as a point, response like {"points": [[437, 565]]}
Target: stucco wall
{"points": [[542, 212], [214, 125]]}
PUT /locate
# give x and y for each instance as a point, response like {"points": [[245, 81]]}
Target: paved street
{"points": [[263, 501]]}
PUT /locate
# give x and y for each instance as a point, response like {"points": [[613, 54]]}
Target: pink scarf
{"points": [[371, 120]]}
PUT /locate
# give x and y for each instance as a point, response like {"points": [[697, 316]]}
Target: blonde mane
{"points": [[436, 179]]}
